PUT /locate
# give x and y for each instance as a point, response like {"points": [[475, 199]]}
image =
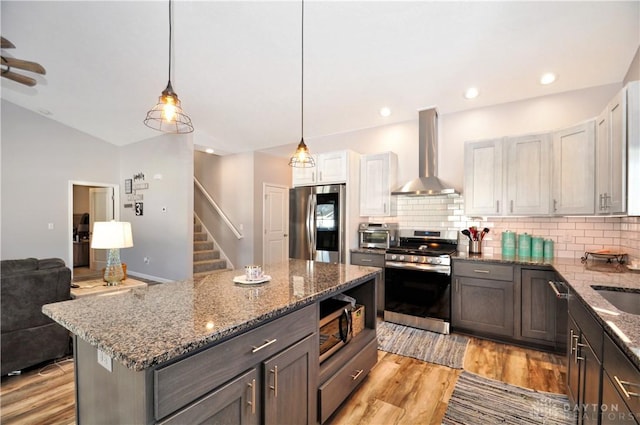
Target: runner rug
{"points": [[445, 350], [479, 400]]}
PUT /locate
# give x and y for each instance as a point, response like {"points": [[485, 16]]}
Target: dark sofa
{"points": [[28, 336]]}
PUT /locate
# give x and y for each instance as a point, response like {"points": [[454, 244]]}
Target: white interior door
{"points": [[101, 208], [276, 224]]}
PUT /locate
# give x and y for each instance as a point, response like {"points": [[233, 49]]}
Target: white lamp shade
{"points": [[111, 234]]}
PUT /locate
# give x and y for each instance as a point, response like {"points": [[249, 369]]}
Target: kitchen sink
{"points": [[625, 299]]}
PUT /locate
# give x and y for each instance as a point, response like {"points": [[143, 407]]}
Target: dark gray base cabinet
{"points": [[372, 259], [483, 298], [543, 316]]}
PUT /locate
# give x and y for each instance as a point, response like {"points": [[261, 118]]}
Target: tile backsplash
{"points": [[572, 236]]}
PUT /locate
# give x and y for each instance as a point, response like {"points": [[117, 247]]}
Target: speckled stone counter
{"points": [[581, 277], [148, 326]]}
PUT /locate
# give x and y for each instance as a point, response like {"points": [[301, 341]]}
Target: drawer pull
{"points": [[274, 387], [266, 344], [482, 271], [366, 260], [358, 373], [252, 403], [559, 294], [626, 392]]}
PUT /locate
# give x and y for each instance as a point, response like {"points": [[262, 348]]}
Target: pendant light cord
{"points": [[170, 40], [302, 78]]}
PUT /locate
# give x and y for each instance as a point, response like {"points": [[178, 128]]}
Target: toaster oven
{"points": [[378, 235]]}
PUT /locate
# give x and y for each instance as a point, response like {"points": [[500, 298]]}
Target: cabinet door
{"points": [[483, 305], [528, 175], [617, 411], [590, 384], [483, 178], [611, 157], [237, 402], [332, 167], [377, 176], [290, 384], [573, 364], [538, 306], [304, 176], [573, 175]]}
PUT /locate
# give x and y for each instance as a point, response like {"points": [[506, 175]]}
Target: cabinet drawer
{"points": [[337, 388], [182, 382], [617, 365], [483, 270], [591, 329], [367, 259]]}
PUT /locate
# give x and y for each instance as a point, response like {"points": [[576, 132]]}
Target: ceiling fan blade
{"points": [[6, 44], [22, 79], [22, 64]]}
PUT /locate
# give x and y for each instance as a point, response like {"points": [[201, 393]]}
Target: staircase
{"points": [[206, 259]]}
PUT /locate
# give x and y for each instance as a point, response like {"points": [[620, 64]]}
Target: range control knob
{"points": [[393, 256], [401, 258], [436, 261]]}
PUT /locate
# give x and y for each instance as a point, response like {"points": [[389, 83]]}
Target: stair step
{"points": [[208, 265], [212, 254], [199, 236], [197, 227], [202, 246]]}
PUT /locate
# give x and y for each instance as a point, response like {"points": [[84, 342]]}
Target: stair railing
{"points": [[213, 203]]}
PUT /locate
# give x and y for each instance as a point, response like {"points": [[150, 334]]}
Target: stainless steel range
{"points": [[418, 280]]}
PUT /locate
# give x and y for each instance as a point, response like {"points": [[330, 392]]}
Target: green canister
{"points": [[548, 250], [508, 242], [537, 248], [524, 246]]}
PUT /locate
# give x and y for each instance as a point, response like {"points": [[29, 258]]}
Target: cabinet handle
{"points": [[266, 344], [626, 392], [274, 387], [358, 373], [511, 207], [252, 403], [320, 175], [497, 206], [555, 205], [578, 358], [571, 339], [366, 260], [482, 271], [384, 207], [607, 201], [560, 295]]}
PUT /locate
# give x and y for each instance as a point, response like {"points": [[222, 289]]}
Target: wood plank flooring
{"points": [[399, 390]]}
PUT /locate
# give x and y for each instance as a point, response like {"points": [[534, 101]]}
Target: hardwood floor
{"points": [[399, 390]]}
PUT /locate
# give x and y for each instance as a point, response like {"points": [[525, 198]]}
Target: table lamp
{"points": [[112, 235]]}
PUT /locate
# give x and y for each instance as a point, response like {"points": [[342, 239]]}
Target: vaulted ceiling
{"points": [[237, 64]]}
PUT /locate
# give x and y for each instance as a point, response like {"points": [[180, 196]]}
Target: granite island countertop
{"points": [[623, 327], [148, 326]]}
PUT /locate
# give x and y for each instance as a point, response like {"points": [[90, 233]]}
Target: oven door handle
{"points": [[420, 267]]}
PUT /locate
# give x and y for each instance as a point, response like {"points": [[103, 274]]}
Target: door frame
{"points": [[264, 216], [116, 210]]}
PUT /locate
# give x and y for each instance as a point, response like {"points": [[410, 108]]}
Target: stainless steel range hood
{"points": [[427, 183]]}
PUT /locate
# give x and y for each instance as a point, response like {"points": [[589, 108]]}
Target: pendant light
{"points": [[302, 158], [167, 115]]}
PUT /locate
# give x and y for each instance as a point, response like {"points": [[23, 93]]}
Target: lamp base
{"points": [[113, 273]]}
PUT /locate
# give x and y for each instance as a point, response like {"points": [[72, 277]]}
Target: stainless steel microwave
{"points": [[335, 326], [378, 235]]}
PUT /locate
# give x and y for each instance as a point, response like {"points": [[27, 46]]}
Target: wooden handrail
{"points": [[218, 209]]}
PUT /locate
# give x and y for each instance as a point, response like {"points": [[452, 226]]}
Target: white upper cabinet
{"points": [[528, 174], [378, 175], [611, 157], [331, 167], [483, 178], [572, 177], [633, 146]]}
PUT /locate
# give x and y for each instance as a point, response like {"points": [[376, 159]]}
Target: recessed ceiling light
{"points": [[208, 150], [385, 112], [547, 78], [471, 93]]}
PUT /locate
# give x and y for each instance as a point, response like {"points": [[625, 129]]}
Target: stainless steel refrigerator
{"points": [[317, 223]]}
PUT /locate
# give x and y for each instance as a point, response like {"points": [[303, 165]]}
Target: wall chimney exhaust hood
{"points": [[427, 183]]}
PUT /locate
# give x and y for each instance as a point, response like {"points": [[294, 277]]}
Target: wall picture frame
{"points": [[128, 186]]}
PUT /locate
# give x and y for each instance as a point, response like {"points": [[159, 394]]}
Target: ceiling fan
{"points": [[8, 63]]}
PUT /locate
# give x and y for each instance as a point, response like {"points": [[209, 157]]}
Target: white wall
{"points": [[39, 158], [163, 237]]}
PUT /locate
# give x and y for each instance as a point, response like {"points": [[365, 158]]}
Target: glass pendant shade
{"points": [[167, 115], [302, 158]]}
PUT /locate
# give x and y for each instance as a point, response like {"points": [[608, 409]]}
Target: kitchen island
{"points": [[185, 351]]}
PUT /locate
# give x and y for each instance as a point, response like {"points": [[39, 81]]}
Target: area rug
{"points": [[445, 350], [479, 400]]}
